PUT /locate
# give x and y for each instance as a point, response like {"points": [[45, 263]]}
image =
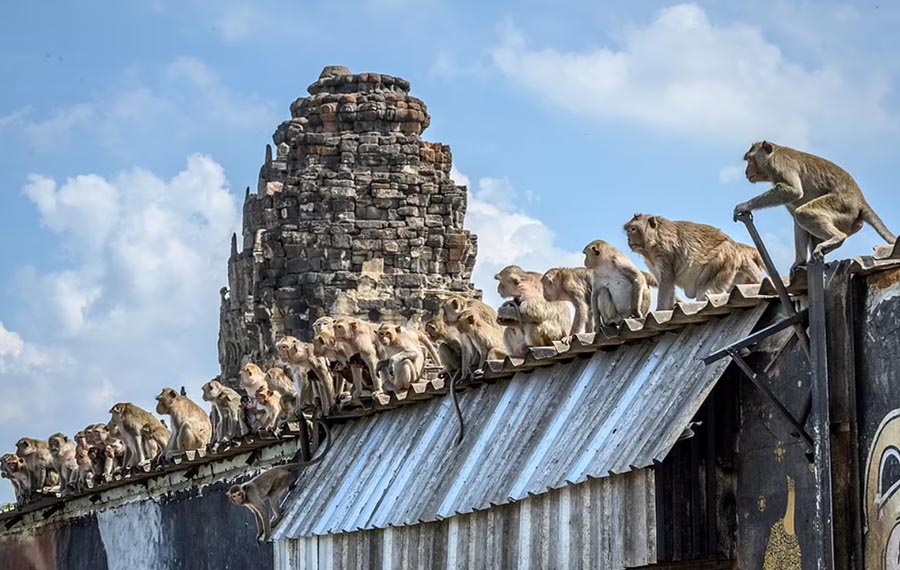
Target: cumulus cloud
{"points": [[507, 235], [135, 307], [687, 75]]}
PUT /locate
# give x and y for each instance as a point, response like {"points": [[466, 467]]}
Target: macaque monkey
{"points": [[38, 461], [85, 468], [269, 401], [114, 457], [322, 323], [251, 413], [542, 321], [572, 285], [154, 438], [271, 487], [302, 359], [13, 467], [252, 379], [448, 344], [279, 381], [620, 289], [508, 316], [700, 259], [354, 337], [825, 201], [404, 359], [190, 424], [228, 422], [63, 453], [129, 420]]}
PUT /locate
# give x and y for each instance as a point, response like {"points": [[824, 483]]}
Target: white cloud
{"points": [[135, 308], [684, 74], [507, 236], [239, 21], [46, 134], [14, 118], [731, 174]]}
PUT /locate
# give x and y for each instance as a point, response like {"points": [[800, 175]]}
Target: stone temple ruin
{"points": [[354, 215]]}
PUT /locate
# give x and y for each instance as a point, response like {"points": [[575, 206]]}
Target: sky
{"points": [[128, 132]]}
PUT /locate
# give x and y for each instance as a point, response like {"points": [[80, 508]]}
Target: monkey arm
{"points": [[633, 275], [404, 355], [534, 311], [781, 193], [666, 299]]}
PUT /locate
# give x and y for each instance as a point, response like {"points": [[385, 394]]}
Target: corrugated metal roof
{"points": [[610, 413]]}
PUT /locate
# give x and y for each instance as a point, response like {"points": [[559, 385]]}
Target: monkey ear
{"points": [[595, 249], [497, 277], [470, 319], [653, 221], [767, 147]]}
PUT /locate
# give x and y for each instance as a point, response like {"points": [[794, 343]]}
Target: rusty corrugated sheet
{"points": [[602, 523], [542, 430]]}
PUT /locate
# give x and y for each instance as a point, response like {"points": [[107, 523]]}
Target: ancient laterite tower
{"points": [[354, 215]]}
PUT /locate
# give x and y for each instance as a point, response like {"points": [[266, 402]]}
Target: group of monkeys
{"points": [[349, 358]]}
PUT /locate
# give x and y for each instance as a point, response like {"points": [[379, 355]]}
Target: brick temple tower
{"points": [[354, 215]]}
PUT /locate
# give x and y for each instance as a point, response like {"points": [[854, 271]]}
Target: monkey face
{"points": [[25, 447], [237, 495], [638, 230], [432, 329], [322, 323], [548, 285], [164, 400]]}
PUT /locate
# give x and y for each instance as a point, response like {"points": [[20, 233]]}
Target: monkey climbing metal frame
{"points": [[819, 442]]}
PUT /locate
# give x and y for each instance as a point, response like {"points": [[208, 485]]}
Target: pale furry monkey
{"points": [[448, 343], [114, 457], [700, 259], [572, 285], [514, 340], [269, 401], [485, 341], [404, 359], [620, 289], [279, 381], [154, 439], [229, 415], [13, 467], [302, 359], [129, 419], [543, 321], [85, 468], [191, 428], [252, 379], [38, 461], [62, 450], [268, 489], [355, 337], [825, 201]]}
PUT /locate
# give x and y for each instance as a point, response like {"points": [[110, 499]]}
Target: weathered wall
{"points": [[354, 214], [605, 523], [189, 531]]}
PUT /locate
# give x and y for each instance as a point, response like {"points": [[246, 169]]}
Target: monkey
{"points": [[271, 487], [252, 379], [13, 467], [278, 381], [85, 468], [542, 321], [825, 201], [302, 359], [322, 323], [514, 341], [154, 438], [190, 424], [751, 268], [251, 413], [572, 285], [114, 457], [354, 337], [448, 344], [129, 419], [38, 461], [62, 451], [620, 289], [229, 421], [404, 359], [269, 401], [698, 258]]}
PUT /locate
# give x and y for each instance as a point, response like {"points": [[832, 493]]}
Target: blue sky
{"points": [[128, 133]]}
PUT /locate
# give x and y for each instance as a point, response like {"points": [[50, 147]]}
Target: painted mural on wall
{"points": [[882, 496], [783, 550]]}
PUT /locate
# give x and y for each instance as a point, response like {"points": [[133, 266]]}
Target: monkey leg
{"points": [[823, 218], [404, 373], [371, 361], [718, 275]]}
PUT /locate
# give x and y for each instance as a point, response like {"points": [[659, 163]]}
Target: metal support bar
{"points": [[13, 521], [774, 276], [758, 336], [760, 382], [822, 419]]}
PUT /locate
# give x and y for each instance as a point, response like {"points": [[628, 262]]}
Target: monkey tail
{"points": [[296, 466], [455, 399], [869, 216]]}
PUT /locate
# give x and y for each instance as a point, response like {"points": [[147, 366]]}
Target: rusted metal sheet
{"points": [[555, 426], [605, 523]]}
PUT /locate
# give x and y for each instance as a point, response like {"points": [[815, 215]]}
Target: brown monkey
{"points": [[269, 401], [572, 285], [252, 414], [279, 381], [620, 289], [825, 201], [302, 359], [751, 268], [698, 258], [129, 419], [38, 461], [62, 452], [191, 428], [13, 467], [114, 457], [404, 359], [154, 438], [448, 343], [271, 487], [484, 340], [322, 323], [354, 337], [542, 321], [252, 379], [228, 421], [85, 468]]}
